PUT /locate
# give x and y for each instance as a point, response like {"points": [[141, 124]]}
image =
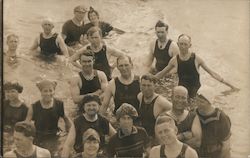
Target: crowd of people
{"points": [[147, 124]]}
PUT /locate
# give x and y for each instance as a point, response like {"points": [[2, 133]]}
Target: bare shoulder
{"points": [[41, 152], [100, 74], [191, 153], [155, 152], [139, 96], [10, 154]]}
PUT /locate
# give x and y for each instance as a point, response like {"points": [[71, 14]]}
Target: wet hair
{"points": [[164, 118], [12, 35], [93, 30], [124, 57], [149, 77], [87, 99], [92, 10], [88, 53], [27, 128], [161, 24], [182, 35], [13, 85]]}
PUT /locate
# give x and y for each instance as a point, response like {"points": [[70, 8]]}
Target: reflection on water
{"points": [[215, 32]]}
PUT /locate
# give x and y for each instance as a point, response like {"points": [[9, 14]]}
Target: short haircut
{"points": [[12, 35], [92, 10], [164, 118], [149, 77], [93, 30], [124, 57], [87, 99], [13, 85], [27, 128], [182, 35], [161, 24], [88, 53]]}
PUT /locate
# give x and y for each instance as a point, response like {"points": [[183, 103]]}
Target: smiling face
{"points": [[11, 94], [47, 26], [47, 93], [166, 133], [87, 63], [91, 108], [93, 18], [179, 98], [79, 15], [147, 88], [91, 147], [184, 43]]}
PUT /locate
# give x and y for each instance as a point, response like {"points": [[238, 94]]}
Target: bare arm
{"points": [[62, 45], [114, 52], [172, 63], [68, 123], [214, 74], [195, 141], [174, 49], [34, 45], [191, 153], [150, 56], [107, 96], [29, 114], [162, 105], [112, 131], [225, 151], [154, 152], [76, 56], [119, 31], [103, 80], [69, 143]]}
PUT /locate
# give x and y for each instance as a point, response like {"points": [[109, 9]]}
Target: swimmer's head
{"points": [[12, 41], [48, 21], [179, 97], [93, 30], [93, 15], [80, 8], [184, 42], [161, 24], [47, 25]]}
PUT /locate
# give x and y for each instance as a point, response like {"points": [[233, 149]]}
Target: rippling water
{"points": [[219, 31]]}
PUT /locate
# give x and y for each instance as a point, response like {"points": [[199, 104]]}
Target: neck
{"points": [[76, 21], [88, 73], [128, 76], [184, 53], [96, 46], [163, 39], [177, 112], [26, 151], [127, 131], [173, 146], [90, 117], [149, 97], [84, 154], [15, 102], [46, 102], [46, 34]]}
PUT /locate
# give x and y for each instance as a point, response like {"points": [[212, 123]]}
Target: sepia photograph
{"points": [[125, 78]]}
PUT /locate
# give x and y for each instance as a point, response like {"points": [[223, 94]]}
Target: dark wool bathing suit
{"points": [[89, 86]]}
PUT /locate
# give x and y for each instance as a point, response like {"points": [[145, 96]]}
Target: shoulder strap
{"points": [[183, 151], [168, 44], [162, 154]]}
